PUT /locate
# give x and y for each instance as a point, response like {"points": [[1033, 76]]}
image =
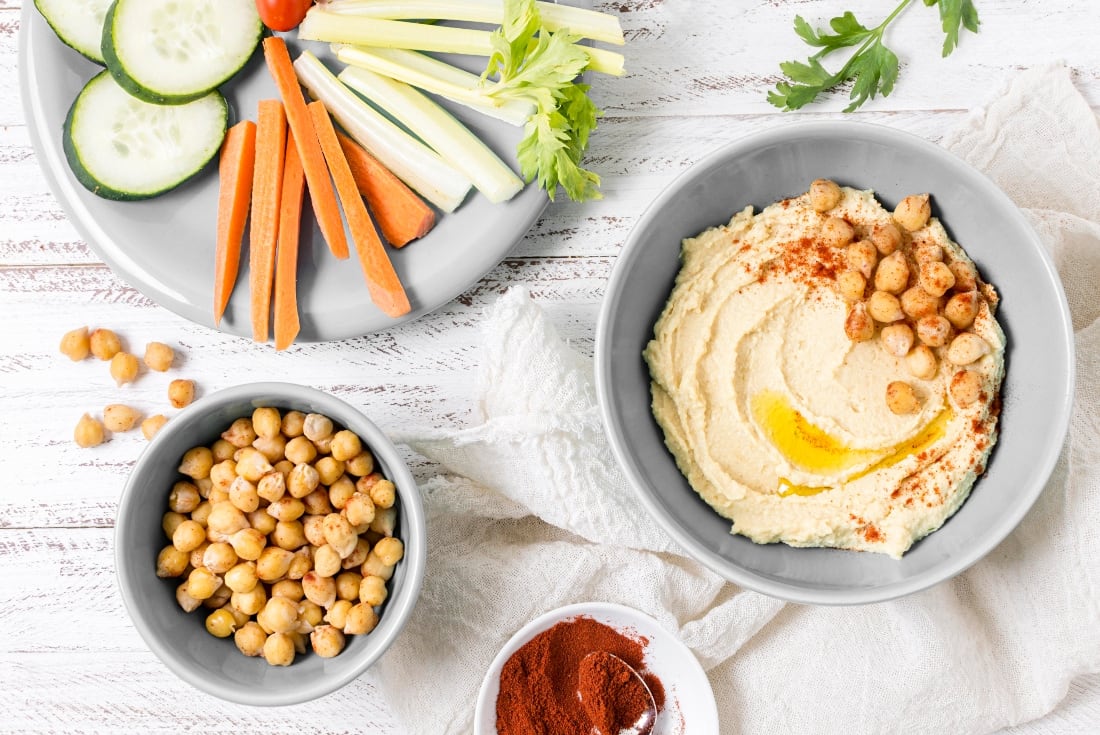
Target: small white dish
{"points": [[689, 700]]}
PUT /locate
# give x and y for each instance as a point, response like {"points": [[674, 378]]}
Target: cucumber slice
{"points": [[174, 51], [122, 148], [78, 23]]}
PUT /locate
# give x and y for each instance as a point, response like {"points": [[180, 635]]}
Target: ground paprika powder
{"points": [[539, 682]]}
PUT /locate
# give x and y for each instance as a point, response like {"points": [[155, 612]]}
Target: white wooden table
{"points": [[698, 73]]}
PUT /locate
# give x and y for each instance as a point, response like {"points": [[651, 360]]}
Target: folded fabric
{"points": [[534, 514]]}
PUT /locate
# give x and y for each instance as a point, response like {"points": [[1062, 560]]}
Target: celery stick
{"points": [[437, 77], [580, 21], [436, 127], [410, 160]]}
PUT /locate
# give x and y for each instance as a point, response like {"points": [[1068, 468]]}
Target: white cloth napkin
{"points": [[535, 514]]}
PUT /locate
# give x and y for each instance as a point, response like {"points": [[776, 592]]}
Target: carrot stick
{"points": [[286, 267], [267, 189], [313, 162], [402, 216], [382, 282], [235, 179]]}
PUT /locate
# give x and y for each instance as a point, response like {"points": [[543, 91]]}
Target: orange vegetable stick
{"points": [[309, 150], [382, 282], [402, 216], [235, 179], [286, 266], [267, 189]]}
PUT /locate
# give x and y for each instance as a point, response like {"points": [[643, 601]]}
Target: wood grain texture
{"points": [[698, 73]]}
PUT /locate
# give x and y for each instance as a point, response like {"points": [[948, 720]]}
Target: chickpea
{"points": [[884, 307], [861, 257], [824, 195], [291, 589], [373, 566], [293, 422], [385, 521], [315, 426], [892, 275], [901, 398], [359, 465], [205, 486], [252, 464], [966, 275], [383, 493], [75, 344], [289, 535], [250, 639], [326, 561], [218, 599], [240, 433], [88, 432], [851, 285], [933, 330], [300, 450], [184, 497], [271, 487], [372, 591], [124, 368], [202, 583], [329, 469], [359, 510], [357, 557], [219, 557], [962, 308], [337, 615], [967, 348], [284, 466], [340, 492], [347, 585], [104, 344], [197, 463], [390, 550], [886, 238], [243, 495], [202, 514], [921, 362], [302, 480], [319, 590], [836, 232], [340, 534], [242, 577], [250, 602], [927, 252], [279, 649], [223, 473], [226, 518], [936, 278], [897, 339], [317, 502], [153, 424], [859, 326], [198, 552], [185, 600], [918, 303], [267, 422], [188, 536], [286, 508], [158, 356], [966, 387], [279, 615], [301, 563], [170, 521], [327, 641], [273, 563], [171, 562], [361, 619], [273, 448], [310, 614], [262, 521], [181, 392], [913, 212], [323, 445]]}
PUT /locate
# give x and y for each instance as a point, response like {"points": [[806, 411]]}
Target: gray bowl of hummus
{"points": [[835, 362]]}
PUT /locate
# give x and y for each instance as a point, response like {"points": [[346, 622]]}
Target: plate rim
{"points": [[722, 565]]}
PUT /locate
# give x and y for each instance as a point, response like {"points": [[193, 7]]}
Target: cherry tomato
{"points": [[282, 15]]}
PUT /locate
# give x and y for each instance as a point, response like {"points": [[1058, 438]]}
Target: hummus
{"points": [[779, 420]]}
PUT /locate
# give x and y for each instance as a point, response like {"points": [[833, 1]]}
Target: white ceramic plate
{"points": [[689, 700], [164, 247]]}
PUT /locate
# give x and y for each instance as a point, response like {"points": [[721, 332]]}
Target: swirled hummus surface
{"points": [[779, 419]]}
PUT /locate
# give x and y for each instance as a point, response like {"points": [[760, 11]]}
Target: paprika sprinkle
{"points": [[539, 683]]}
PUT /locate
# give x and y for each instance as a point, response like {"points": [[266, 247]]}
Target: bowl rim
{"points": [[399, 605], [726, 567]]}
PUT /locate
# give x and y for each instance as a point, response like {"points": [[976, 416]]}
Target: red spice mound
{"points": [[614, 698]]}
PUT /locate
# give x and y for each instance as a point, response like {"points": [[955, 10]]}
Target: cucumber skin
{"points": [[94, 59], [100, 189], [135, 88]]}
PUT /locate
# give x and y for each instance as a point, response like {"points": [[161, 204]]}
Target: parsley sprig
{"points": [[542, 67], [872, 68]]}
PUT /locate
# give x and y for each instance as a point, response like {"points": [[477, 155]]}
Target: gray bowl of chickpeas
{"points": [[270, 544]]}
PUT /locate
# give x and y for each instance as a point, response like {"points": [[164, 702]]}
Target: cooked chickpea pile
{"points": [[282, 529], [918, 301], [105, 345]]}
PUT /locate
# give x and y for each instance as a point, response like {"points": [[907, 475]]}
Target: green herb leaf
{"points": [[874, 71], [848, 32], [957, 14]]}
